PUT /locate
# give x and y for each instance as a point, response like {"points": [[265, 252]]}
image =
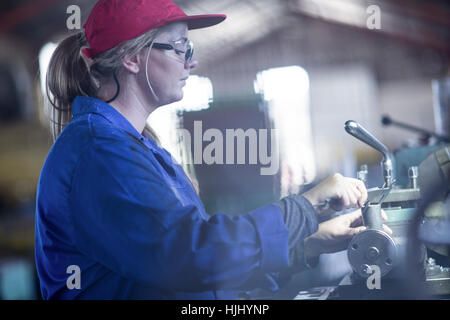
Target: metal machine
{"points": [[413, 196], [374, 246]]}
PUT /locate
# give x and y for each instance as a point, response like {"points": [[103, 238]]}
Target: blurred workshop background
{"points": [[303, 67]]}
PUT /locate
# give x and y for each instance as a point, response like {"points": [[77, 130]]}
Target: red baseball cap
{"points": [[114, 21]]}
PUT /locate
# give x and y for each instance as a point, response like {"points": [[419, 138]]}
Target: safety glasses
{"points": [[188, 48]]}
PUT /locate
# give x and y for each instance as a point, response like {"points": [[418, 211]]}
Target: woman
{"points": [[116, 217]]}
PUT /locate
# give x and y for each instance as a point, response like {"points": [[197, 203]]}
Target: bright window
{"points": [[286, 91]]}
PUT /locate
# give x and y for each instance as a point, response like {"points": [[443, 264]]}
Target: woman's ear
{"points": [[132, 63]]}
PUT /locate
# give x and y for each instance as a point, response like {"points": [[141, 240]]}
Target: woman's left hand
{"points": [[342, 192]]}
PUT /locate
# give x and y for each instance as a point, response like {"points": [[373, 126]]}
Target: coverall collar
{"points": [[84, 105]]}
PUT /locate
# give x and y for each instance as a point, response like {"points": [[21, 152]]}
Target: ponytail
{"points": [[67, 77]]}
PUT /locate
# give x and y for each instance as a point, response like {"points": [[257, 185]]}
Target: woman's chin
{"points": [[178, 97], [169, 100]]}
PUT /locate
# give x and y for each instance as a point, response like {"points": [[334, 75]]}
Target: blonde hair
{"points": [[68, 75]]}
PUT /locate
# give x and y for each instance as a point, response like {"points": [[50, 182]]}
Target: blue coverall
{"points": [[113, 203]]}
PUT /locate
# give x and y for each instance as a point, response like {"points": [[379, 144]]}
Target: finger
{"points": [[357, 194], [353, 217], [352, 199], [362, 191], [349, 198], [362, 188], [387, 229], [358, 222], [354, 231], [384, 215]]}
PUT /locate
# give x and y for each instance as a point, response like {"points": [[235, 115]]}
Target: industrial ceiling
{"points": [[424, 23]]}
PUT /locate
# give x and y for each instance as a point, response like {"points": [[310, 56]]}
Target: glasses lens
{"points": [[189, 51]]}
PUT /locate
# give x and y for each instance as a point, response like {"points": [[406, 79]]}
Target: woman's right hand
{"points": [[342, 192]]}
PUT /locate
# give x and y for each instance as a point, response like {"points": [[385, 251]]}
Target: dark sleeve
{"points": [[301, 220]]}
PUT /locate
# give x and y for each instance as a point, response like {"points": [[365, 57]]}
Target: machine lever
{"points": [[356, 130]]}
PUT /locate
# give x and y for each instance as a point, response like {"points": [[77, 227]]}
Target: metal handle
{"points": [[356, 130]]}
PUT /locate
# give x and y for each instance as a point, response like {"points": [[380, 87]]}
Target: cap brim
{"points": [[203, 21]]}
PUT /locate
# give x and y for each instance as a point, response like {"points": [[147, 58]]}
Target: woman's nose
{"points": [[191, 65]]}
